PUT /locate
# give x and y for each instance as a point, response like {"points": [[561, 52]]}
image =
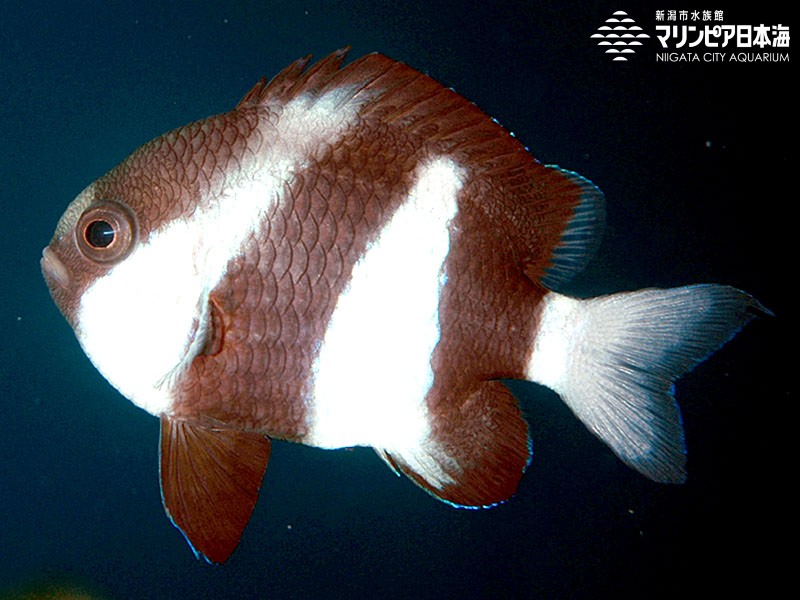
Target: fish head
{"points": [[122, 268], [92, 236]]}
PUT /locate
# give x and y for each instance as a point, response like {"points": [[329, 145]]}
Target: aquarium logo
{"points": [[701, 36], [620, 36], [695, 36]]}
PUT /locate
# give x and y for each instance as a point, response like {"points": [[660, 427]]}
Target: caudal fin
{"points": [[613, 361]]}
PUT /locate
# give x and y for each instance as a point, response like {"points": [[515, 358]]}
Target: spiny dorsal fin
{"points": [[294, 80], [210, 478], [391, 92]]}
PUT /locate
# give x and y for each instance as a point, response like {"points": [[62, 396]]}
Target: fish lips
{"points": [[54, 270]]}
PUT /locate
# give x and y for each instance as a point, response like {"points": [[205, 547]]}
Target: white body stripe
{"points": [[143, 323], [560, 328], [374, 366]]}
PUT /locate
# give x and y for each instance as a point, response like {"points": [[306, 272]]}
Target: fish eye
{"points": [[106, 232], [99, 234]]}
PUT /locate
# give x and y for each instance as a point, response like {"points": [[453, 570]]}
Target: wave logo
{"points": [[620, 35]]}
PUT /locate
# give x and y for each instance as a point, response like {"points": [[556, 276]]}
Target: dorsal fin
{"points": [[582, 234], [556, 215], [210, 478], [294, 80], [393, 92]]}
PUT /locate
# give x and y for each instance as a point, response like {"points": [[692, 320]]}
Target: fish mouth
{"points": [[54, 269]]}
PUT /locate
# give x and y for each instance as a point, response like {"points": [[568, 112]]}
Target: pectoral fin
{"points": [[210, 478]]}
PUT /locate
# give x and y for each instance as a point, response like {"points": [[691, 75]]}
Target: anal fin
{"points": [[476, 453], [210, 479]]}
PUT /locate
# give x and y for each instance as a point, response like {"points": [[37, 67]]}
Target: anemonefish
{"points": [[358, 256]]}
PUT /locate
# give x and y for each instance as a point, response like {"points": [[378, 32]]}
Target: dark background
{"points": [[698, 165]]}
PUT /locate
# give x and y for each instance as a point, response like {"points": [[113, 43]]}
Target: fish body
{"points": [[357, 256]]}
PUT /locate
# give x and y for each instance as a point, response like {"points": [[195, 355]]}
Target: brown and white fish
{"points": [[357, 256]]}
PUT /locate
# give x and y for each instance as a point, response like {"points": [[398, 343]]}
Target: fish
{"points": [[356, 255]]}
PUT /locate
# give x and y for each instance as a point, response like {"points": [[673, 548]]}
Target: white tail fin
{"points": [[613, 361]]}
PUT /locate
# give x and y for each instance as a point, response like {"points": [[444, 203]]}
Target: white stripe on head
{"points": [[373, 369], [144, 321]]}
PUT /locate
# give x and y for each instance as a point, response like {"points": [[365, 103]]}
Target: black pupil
{"points": [[99, 234]]}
